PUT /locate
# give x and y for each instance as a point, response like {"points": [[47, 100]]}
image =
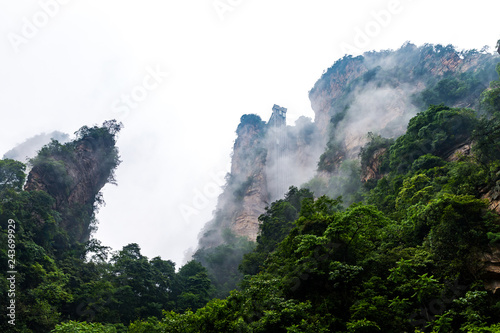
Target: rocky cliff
{"points": [[74, 173], [245, 195], [377, 92], [248, 180], [380, 91], [266, 160], [372, 169], [491, 275]]}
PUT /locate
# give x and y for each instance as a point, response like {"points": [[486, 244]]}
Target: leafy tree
{"points": [[250, 120], [77, 327], [276, 224], [142, 287], [12, 175], [438, 131], [193, 286], [222, 262]]}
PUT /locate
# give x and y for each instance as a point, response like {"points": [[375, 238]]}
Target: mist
{"points": [[293, 161], [381, 110], [29, 148], [71, 73]]}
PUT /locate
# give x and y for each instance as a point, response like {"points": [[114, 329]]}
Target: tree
{"points": [[193, 286], [12, 175], [222, 262], [142, 287], [276, 224], [437, 131]]}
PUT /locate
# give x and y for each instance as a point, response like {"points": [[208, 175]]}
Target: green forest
{"points": [[412, 249]]}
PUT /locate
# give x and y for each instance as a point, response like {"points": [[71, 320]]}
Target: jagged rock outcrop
{"points": [[493, 197], [372, 170], [245, 196], [249, 180], [332, 86], [377, 92], [255, 199], [492, 270], [74, 173], [458, 152], [266, 160]]}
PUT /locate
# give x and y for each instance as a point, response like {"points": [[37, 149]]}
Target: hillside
{"points": [[73, 175], [378, 93], [381, 215], [418, 252]]}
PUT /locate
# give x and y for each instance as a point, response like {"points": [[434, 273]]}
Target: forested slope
{"points": [[411, 245]]}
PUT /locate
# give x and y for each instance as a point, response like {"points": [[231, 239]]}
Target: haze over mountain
{"points": [[77, 66], [377, 93], [250, 166], [384, 203]]}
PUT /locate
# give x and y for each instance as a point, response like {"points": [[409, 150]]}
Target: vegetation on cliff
{"points": [[380, 91], [411, 246], [61, 274], [412, 256]]}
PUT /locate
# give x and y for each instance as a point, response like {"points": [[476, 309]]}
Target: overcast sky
{"points": [[179, 75]]}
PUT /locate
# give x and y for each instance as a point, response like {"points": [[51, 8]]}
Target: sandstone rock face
{"points": [[73, 174], [492, 270], [248, 163], [372, 170], [493, 197], [266, 160], [458, 152], [330, 87], [246, 221], [245, 196], [376, 92]]}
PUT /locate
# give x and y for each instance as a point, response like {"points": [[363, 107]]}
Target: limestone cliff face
{"points": [[73, 174], [266, 160], [246, 221], [332, 86], [459, 151], [493, 197]]}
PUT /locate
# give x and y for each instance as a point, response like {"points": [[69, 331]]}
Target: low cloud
{"points": [[29, 148]]}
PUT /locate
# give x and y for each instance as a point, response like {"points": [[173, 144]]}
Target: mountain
{"points": [[29, 148], [47, 222], [382, 215], [266, 159], [407, 237], [380, 91], [377, 93], [73, 175]]}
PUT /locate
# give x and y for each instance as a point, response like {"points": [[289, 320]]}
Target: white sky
{"points": [[72, 70]]}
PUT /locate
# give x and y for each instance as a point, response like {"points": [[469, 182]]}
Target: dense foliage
{"points": [[275, 225], [61, 278], [252, 120], [222, 262], [407, 258], [407, 251], [399, 70]]}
